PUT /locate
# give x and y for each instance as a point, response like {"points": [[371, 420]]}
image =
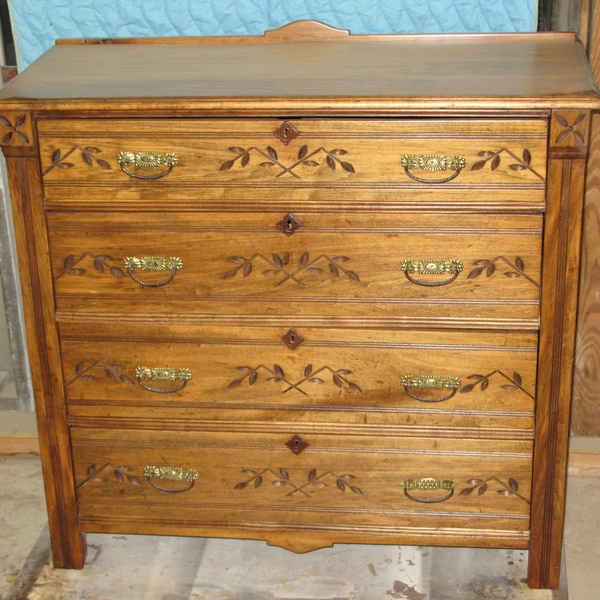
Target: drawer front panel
{"points": [[248, 160], [353, 481], [360, 265], [405, 379]]}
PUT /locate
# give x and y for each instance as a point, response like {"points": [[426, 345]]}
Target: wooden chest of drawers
{"points": [[306, 288]]}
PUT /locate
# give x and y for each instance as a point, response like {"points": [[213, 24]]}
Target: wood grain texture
{"points": [[68, 545], [562, 239], [336, 482], [335, 265], [586, 391], [541, 71]]}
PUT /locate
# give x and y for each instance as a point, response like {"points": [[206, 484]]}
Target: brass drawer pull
{"points": [[171, 474], [431, 267], [430, 382], [153, 263], [433, 162], [428, 484], [162, 374], [147, 159]]}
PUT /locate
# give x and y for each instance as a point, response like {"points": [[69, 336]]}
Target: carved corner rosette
{"points": [[15, 129], [569, 128]]}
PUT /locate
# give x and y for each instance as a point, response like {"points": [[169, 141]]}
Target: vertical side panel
{"points": [[68, 544], [560, 277]]}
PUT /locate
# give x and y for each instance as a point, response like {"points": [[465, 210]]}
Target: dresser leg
{"points": [[562, 239], [27, 201]]}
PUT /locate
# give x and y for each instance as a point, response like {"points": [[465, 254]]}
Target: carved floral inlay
{"points": [[570, 129], [494, 159], [484, 381], [517, 269], [281, 266], [20, 120], [119, 473], [313, 480], [113, 372], [100, 264], [481, 487], [88, 155], [276, 374], [305, 158]]}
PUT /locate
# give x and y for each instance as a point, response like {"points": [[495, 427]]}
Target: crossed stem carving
{"points": [[119, 472], [522, 164], [243, 155], [283, 479], [489, 266], [278, 264], [338, 377], [111, 371], [88, 156], [510, 489], [100, 264]]}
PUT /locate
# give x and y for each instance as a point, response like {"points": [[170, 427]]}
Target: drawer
{"points": [[403, 379], [338, 487], [249, 163], [386, 269]]}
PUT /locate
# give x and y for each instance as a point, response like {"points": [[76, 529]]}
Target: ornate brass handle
{"points": [[433, 162], [428, 484], [153, 263], [171, 474], [162, 374], [147, 159], [430, 382], [431, 267]]}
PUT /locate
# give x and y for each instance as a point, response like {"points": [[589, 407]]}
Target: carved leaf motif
{"points": [[526, 157], [248, 472], [87, 378], [466, 491], [22, 137], [562, 121], [485, 384], [86, 159], [562, 136], [517, 378], [352, 275], [337, 380], [117, 272], [93, 149], [347, 476], [238, 259], [111, 375], [356, 490], [119, 476], [341, 485], [226, 165], [320, 484], [579, 119], [302, 152], [482, 490], [266, 164], [330, 163], [467, 388], [512, 274], [277, 261], [475, 377], [311, 163], [258, 481], [236, 150], [520, 264], [133, 480], [234, 383], [65, 165], [284, 474], [69, 262], [55, 156], [79, 368], [308, 370], [339, 259], [514, 486], [278, 483], [5, 121], [579, 137], [355, 387], [240, 486], [304, 259], [247, 269], [252, 379], [286, 258], [272, 152], [485, 153], [125, 379], [312, 474], [76, 271], [314, 270], [495, 162], [475, 481], [334, 270], [510, 388], [475, 273], [103, 164], [344, 372], [273, 379], [7, 137], [339, 151], [21, 119], [517, 167], [347, 167], [278, 371], [245, 159], [316, 380], [505, 492], [90, 470], [490, 270], [271, 272], [99, 267], [478, 165]]}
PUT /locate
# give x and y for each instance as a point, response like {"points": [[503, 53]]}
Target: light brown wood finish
{"points": [[586, 392], [68, 545], [337, 482], [347, 77], [562, 238], [465, 91]]}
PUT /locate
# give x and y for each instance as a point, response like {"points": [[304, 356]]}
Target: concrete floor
{"points": [[159, 568]]}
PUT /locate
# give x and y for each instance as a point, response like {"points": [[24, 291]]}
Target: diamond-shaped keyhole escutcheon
{"points": [[297, 444], [292, 339], [289, 224], [286, 132]]}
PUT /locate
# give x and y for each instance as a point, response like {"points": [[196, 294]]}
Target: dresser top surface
{"points": [[353, 74]]}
